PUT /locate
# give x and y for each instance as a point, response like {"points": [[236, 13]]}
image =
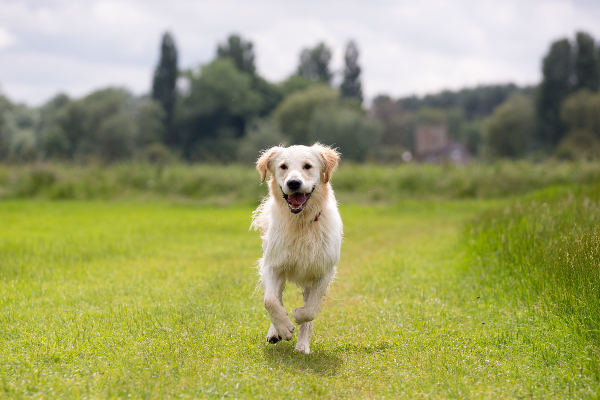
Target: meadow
{"points": [[480, 282]]}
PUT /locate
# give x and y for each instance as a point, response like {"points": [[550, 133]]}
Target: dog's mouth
{"points": [[296, 201]]}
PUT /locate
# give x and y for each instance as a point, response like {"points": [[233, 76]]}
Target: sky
{"points": [[406, 47]]}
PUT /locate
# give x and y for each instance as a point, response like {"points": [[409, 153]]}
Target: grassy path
{"points": [[159, 300]]}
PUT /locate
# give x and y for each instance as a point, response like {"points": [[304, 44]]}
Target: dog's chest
{"points": [[303, 253]]}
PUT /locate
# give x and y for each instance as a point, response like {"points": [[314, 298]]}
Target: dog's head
{"points": [[298, 171]]}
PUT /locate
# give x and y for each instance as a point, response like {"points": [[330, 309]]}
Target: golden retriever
{"points": [[301, 231]]}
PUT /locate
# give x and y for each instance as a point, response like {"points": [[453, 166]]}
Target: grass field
{"points": [[156, 300]]}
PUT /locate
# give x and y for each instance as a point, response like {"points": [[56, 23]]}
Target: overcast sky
{"points": [[406, 46]]}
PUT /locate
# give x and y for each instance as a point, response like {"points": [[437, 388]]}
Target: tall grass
{"points": [[239, 184], [545, 249]]}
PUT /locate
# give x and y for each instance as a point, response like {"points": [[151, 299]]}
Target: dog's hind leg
{"points": [[304, 335], [313, 296], [280, 320]]}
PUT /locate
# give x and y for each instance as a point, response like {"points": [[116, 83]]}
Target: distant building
{"points": [[433, 145]]}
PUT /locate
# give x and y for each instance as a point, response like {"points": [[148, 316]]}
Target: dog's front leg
{"points": [[280, 321], [313, 297]]}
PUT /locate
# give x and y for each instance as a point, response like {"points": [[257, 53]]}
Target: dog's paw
{"points": [[303, 348], [286, 330], [273, 336], [302, 315]]}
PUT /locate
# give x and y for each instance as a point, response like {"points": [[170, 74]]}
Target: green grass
{"points": [[235, 184], [159, 299], [545, 250]]}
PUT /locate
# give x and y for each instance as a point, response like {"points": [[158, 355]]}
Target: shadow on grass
{"points": [[318, 361]]}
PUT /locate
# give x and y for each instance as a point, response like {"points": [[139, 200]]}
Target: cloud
{"points": [[6, 39], [406, 47]]}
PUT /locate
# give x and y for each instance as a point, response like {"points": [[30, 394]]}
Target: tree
{"points": [[509, 129], [351, 86], [295, 111], [395, 122], [587, 74], [54, 141], [295, 83], [101, 126], [262, 134], [5, 107], [346, 128], [214, 113], [557, 83], [164, 84], [148, 119], [314, 63], [240, 51]]}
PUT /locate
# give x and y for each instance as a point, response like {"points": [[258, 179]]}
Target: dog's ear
{"points": [[330, 158], [263, 164]]}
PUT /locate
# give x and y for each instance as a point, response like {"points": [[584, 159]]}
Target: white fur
{"points": [[296, 247]]}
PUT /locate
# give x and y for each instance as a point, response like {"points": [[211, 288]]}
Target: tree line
{"points": [[225, 111]]}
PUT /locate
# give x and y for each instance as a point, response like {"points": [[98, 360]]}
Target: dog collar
{"points": [[317, 217]]}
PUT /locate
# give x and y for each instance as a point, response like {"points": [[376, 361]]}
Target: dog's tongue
{"points": [[297, 199]]}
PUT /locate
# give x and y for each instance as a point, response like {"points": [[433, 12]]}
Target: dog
{"points": [[301, 231]]}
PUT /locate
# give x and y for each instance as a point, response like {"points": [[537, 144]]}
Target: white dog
{"points": [[301, 230]]}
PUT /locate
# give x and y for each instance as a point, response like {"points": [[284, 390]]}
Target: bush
{"points": [[579, 144]]}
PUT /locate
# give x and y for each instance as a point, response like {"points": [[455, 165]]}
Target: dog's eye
{"points": [[307, 166], [283, 166]]}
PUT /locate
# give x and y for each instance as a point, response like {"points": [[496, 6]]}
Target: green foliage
{"points": [[314, 64], [351, 86], [240, 51], [54, 140], [579, 144], [349, 130], [239, 184], [157, 154], [587, 62], [475, 102], [219, 104], [271, 95], [581, 114], [581, 111], [164, 84], [101, 125], [23, 145], [397, 124], [555, 87], [510, 128], [262, 135], [295, 112], [149, 116], [18, 125], [294, 83]]}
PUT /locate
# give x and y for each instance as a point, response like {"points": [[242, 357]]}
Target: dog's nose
{"points": [[294, 184]]}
